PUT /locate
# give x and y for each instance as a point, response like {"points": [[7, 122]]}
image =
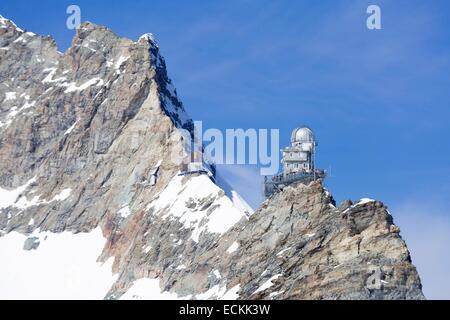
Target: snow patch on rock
{"points": [[267, 284], [364, 201], [234, 246], [72, 87], [9, 197], [71, 128], [10, 96], [148, 289], [120, 62], [125, 211], [21, 201], [217, 218]]}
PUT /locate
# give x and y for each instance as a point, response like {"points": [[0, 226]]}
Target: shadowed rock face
{"points": [[80, 134]]}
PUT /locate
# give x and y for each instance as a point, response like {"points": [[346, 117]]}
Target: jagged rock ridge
{"points": [[80, 135]]}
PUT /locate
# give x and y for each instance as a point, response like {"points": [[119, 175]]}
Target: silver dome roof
{"points": [[302, 134]]}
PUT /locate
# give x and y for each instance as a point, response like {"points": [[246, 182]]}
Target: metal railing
{"points": [[282, 179]]}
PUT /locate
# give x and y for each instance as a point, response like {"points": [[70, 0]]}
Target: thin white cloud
{"points": [[425, 226], [246, 180]]}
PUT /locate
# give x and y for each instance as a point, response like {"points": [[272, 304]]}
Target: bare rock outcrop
{"points": [[300, 246]]}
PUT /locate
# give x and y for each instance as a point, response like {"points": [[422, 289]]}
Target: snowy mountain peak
{"points": [[5, 23], [148, 37], [87, 142]]}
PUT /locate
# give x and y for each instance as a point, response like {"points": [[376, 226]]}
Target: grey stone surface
{"points": [[31, 243]]}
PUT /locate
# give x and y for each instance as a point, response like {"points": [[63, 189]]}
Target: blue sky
{"points": [[378, 101]]}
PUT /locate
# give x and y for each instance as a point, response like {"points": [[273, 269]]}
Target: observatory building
{"points": [[298, 162]]}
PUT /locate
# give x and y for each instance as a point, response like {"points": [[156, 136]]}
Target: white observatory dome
{"points": [[301, 135]]}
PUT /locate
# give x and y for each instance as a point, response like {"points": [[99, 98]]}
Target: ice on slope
{"points": [[119, 63], [219, 292], [124, 211], [10, 96], [171, 204], [234, 246], [283, 251], [16, 199], [62, 267], [68, 131], [359, 203], [20, 39], [14, 111], [364, 201], [267, 284], [72, 87], [9, 197], [148, 37], [148, 289], [49, 77], [216, 273], [4, 24]]}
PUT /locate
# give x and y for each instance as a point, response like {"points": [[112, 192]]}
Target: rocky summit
{"points": [[93, 206]]}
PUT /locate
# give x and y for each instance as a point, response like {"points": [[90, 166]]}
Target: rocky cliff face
{"points": [[298, 245], [81, 136]]}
